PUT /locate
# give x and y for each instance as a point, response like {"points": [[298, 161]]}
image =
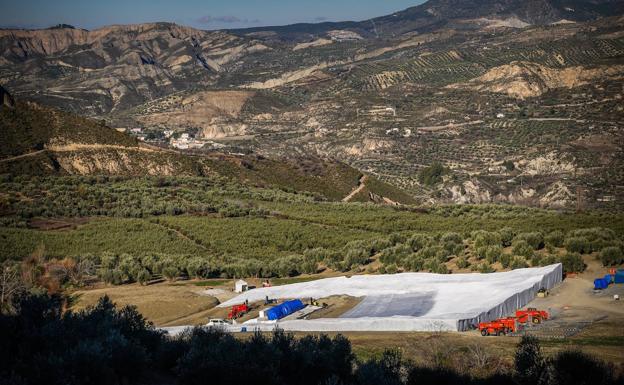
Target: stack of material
{"points": [[618, 276], [415, 301], [283, 310]]}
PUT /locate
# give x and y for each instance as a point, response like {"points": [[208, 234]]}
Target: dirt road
{"points": [[357, 190]]}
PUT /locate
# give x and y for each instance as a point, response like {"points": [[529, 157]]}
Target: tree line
{"points": [[44, 343]]}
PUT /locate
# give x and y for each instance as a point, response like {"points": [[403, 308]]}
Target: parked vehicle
{"points": [[499, 327], [218, 323], [531, 314], [238, 311]]}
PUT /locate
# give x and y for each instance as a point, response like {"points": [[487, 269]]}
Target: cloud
{"points": [[228, 19]]}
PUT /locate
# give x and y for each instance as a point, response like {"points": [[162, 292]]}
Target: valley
{"points": [[472, 94], [466, 157]]}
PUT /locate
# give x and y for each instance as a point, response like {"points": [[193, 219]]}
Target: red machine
{"points": [[532, 314], [238, 311], [498, 327]]}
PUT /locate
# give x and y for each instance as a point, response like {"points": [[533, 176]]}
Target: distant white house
{"points": [[137, 130], [240, 286], [500, 115]]}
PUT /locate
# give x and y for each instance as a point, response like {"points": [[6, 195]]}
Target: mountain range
{"points": [[514, 101]]}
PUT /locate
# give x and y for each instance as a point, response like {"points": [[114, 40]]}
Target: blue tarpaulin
{"points": [[283, 310], [600, 284], [619, 276]]}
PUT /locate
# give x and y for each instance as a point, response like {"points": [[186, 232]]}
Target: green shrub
{"points": [[391, 269], [535, 239], [432, 175], [505, 260], [507, 235], [413, 262], [572, 263], [555, 239], [317, 254], [112, 276], [198, 267], [309, 267], [418, 241], [356, 257], [395, 253], [522, 248], [578, 245], [170, 272], [518, 263], [611, 256], [451, 237], [143, 276], [287, 266], [597, 238], [462, 263], [575, 367], [434, 266], [509, 165], [548, 260], [493, 253], [485, 268], [486, 238]]}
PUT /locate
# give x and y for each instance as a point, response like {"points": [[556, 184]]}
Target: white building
{"points": [[240, 286]]}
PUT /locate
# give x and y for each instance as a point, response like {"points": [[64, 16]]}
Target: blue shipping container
{"points": [[619, 276], [600, 284], [283, 310]]}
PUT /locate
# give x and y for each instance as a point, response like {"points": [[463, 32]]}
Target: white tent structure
{"points": [[414, 301]]}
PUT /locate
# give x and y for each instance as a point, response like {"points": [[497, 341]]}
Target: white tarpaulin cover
{"points": [[414, 301]]}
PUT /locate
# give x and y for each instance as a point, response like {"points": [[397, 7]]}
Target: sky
{"points": [[207, 14]]}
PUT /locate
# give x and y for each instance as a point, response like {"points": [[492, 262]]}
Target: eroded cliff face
{"points": [[215, 113], [117, 67], [554, 196], [525, 79]]}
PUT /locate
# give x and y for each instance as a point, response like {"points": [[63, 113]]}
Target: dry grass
{"points": [[163, 304]]}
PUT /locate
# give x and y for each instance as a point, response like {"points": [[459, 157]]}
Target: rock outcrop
{"points": [[524, 79], [6, 100]]}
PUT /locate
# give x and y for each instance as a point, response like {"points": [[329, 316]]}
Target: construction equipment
{"points": [[238, 311], [542, 293], [531, 314], [499, 327]]}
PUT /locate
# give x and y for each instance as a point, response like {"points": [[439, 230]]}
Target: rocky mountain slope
{"points": [[38, 140], [437, 14], [518, 101], [115, 67]]}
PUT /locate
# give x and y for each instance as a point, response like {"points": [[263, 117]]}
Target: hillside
{"points": [[437, 14], [39, 140], [519, 101]]}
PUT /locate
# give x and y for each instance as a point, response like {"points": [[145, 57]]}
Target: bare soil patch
{"points": [[336, 306]]}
